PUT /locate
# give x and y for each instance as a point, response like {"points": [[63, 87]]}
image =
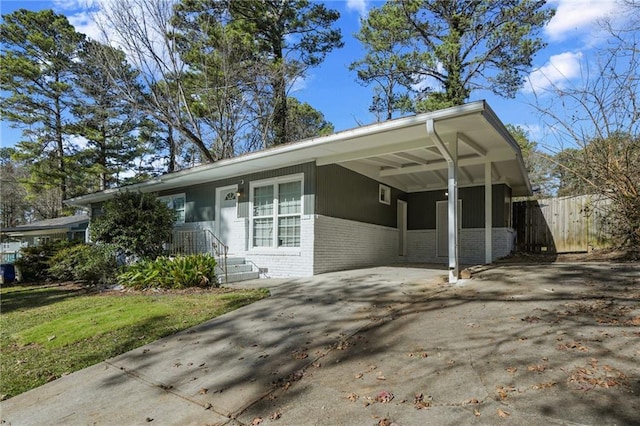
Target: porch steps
{"points": [[237, 270]]}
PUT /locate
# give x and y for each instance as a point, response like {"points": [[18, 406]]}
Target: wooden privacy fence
{"points": [[561, 225]]}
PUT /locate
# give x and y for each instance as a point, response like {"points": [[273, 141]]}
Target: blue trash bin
{"points": [[7, 273]]}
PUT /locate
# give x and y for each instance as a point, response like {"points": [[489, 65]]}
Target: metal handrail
{"points": [[222, 254], [195, 241]]}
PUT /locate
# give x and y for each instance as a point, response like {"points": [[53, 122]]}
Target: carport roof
{"points": [[62, 224], [397, 152]]}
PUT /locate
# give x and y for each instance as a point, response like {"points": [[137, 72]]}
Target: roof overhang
{"points": [[34, 232], [397, 152]]}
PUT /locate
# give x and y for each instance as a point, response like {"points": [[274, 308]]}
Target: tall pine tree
{"points": [[36, 66], [452, 48], [105, 119]]}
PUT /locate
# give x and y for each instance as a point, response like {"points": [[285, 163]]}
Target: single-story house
{"points": [[378, 194], [41, 232]]}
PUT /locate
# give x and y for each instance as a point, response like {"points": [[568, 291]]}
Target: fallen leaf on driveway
{"points": [[544, 385], [357, 376], [503, 413], [203, 391], [420, 402], [352, 397], [633, 321], [256, 421], [476, 413], [276, 415], [384, 397], [503, 392], [512, 369], [530, 319], [572, 345], [539, 368]]}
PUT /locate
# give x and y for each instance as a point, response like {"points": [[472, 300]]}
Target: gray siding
{"points": [[200, 199], [345, 194], [421, 212]]}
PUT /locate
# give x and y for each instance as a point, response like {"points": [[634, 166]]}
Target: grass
{"points": [[49, 331]]}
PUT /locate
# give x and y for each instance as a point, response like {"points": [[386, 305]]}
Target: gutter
{"points": [[495, 122], [452, 198], [284, 150]]}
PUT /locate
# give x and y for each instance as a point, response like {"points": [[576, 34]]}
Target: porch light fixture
{"points": [[239, 192]]}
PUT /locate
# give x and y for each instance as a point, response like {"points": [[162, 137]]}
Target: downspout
{"points": [[451, 156]]}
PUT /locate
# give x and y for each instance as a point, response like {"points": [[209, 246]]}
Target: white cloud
{"points": [[555, 73], [359, 6], [84, 22], [578, 16], [73, 5], [299, 83], [79, 142]]}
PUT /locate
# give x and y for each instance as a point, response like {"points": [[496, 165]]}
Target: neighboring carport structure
{"points": [[465, 145]]}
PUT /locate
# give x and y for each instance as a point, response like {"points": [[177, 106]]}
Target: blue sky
{"points": [[332, 89]]}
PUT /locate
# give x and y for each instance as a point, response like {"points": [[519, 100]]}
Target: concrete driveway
{"points": [[521, 344]]}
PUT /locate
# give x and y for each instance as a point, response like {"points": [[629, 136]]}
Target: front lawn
{"points": [[49, 331]]}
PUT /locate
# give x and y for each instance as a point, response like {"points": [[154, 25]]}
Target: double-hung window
{"points": [[277, 209], [175, 202]]}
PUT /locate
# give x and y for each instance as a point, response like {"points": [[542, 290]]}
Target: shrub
{"points": [[95, 264], [172, 273], [137, 224], [33, 262]]}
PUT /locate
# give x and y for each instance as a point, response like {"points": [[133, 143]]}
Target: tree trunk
{"points": [[280, 110], [60, 154], [172, 150]]}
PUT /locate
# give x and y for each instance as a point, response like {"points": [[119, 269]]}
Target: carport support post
{"points": [[452, 190], [451, 156], [488, 213]]}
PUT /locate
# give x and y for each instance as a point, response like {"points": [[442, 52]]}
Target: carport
{"points": [[464, 145]]}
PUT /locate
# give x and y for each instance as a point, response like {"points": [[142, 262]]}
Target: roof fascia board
{"points": [[495, 122], [283, 152]]}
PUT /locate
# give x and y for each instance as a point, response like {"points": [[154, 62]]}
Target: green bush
{"points": [[171, 273], [137, 224], [33, 262], [95, 264]]}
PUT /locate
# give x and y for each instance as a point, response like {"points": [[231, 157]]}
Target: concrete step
{"points": [[238, 268], [239, 276]]}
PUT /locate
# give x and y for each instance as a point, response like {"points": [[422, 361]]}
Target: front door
{"points": [[226, 214]]}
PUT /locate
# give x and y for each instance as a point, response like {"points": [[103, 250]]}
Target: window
{"points": [[384, 194], [277, 209], [177, 203]]}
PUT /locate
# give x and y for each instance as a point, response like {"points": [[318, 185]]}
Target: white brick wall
{"points": [[287, 261], [421, 245], [345, 244]]}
